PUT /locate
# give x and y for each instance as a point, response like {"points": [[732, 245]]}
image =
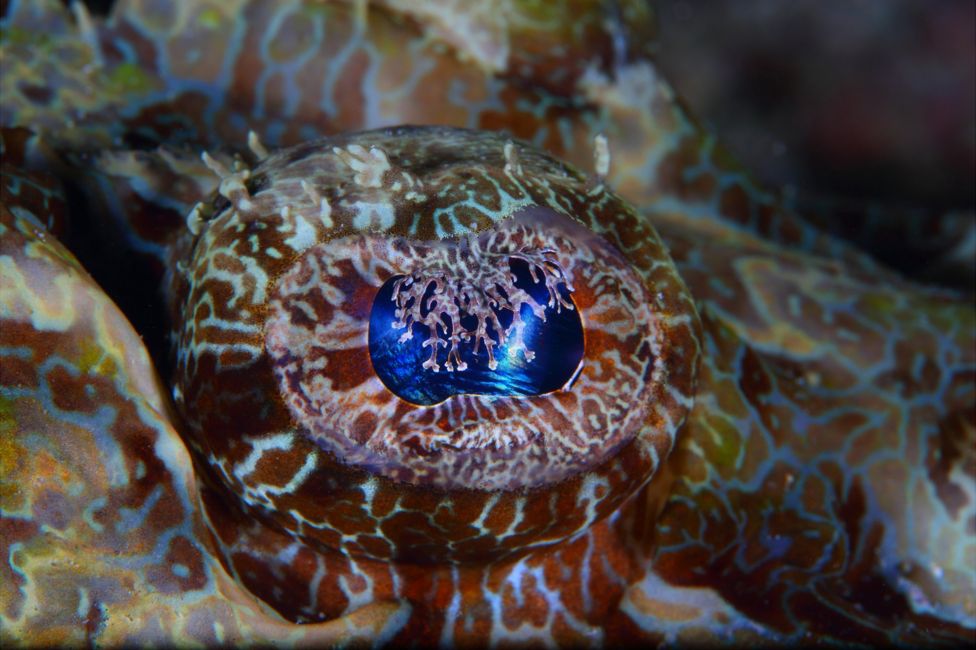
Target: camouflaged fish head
{"points": [[546, 368]]}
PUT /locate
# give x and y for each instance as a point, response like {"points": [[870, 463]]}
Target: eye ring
{"points": [[317, 337], [297, 428]]}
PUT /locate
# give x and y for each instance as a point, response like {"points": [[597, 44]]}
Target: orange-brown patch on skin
{"points": [[385, 499], [672, 171], [182, 53], [349, 516], [190, 102], [229, 263], [834, 433], [755, 448], [15, 371], [181, 553], [222, 294], [347, 92], [675, 567], [754, 381], [500, 517], [68, 393], [672, 168], [814, 493], [734, 204], [349, 368], [767, 217], [702, 185], [295, 36], [275, 468], [528, 606], [433, 92], [246, 67], [865, 443], [363, 427]]}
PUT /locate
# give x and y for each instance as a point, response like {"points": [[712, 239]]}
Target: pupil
{"points": [[556, 342]]}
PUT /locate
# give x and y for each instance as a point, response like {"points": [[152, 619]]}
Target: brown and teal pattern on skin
{"points": [[102, 535], [795, 463]]}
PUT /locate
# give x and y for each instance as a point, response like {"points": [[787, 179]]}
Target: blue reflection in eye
{"points": [[557, 343]]}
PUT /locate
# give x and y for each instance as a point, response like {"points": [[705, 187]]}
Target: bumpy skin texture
{"points": [[102, 533], [820, 487]]}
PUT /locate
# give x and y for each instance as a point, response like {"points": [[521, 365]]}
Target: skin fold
{"points": [[770, 438]]}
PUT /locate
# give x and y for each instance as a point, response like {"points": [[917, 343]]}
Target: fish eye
{"points": [[505, 326], [436, 321]]}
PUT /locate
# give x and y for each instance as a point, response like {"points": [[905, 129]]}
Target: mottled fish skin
{"points": [[206, 73], [102, 532], [822, 486]]}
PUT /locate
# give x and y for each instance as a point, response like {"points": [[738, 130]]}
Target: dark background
{"points": [[864, 99]]}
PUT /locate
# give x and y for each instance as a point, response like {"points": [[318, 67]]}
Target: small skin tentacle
{"points": [[86, 27], [601, 166], [195, 220], [325, 209], [370, 165], [214, 165], [601, 157], [232, 182], [256, 146], [512, 165]]}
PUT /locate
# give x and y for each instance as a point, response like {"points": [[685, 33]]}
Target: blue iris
{"points": [[557, 343]]}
